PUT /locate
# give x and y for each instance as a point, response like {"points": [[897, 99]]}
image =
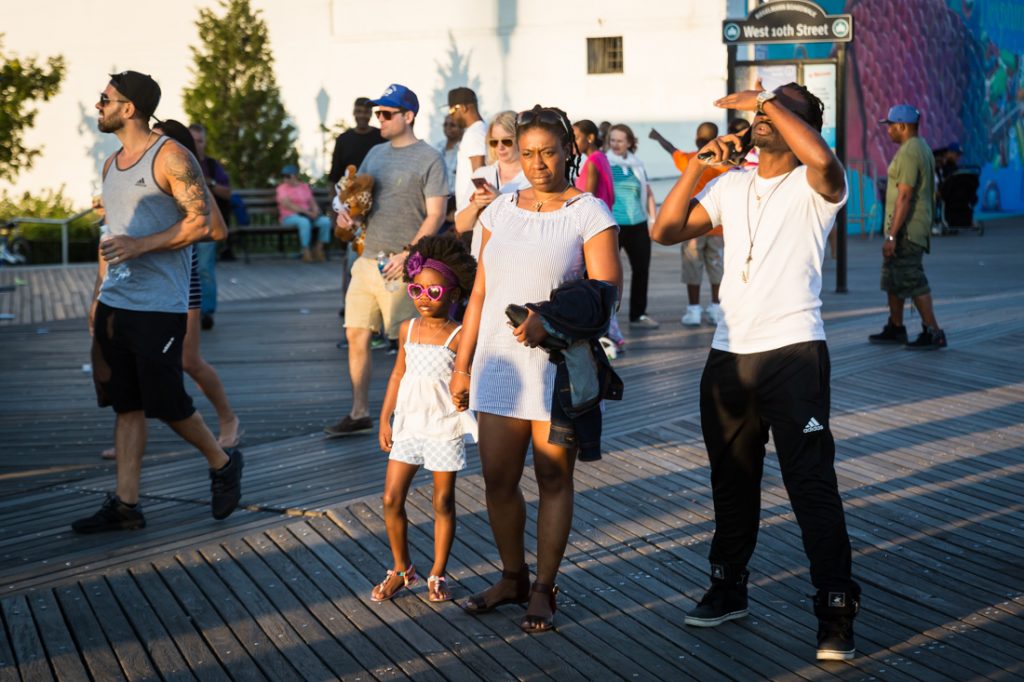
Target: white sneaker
{"points": [[713, 313], [692, 316], [644, 322]]}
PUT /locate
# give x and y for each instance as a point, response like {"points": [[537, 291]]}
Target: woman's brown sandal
{"points": [[383, 593], [437, 589], [534, 624], [477, 603]]}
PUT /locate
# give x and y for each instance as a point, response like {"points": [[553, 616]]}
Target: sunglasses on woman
{"points": [[434, 292], [525, 118], [386, 115], [504, 142]]}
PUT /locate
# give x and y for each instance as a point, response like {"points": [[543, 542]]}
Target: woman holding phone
{"points": [[532, 241], [502, 174]]}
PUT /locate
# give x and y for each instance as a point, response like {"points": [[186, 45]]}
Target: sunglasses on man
{"points": [[104, 100], [387, 115]]}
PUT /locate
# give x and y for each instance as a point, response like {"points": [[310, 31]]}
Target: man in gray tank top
{"points": [[156, 205]]}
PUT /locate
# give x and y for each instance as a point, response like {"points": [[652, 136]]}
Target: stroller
{"points": [[958, 195]]}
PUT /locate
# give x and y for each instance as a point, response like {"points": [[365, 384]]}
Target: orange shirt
{"points": [[682, 160]]}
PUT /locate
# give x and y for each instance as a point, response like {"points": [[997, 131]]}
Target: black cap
{"points": [[139, 88], [461, 96]]}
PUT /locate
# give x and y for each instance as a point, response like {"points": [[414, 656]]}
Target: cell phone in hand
{"points": [[479, 183], [736, 156]]}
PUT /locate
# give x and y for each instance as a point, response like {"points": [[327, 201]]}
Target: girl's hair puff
{"points": [[450, 251]]}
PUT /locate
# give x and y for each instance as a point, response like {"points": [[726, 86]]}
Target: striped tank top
{"points": [[137, 207]]}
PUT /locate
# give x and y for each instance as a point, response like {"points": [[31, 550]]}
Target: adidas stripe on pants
{"points": [[784, 391]]}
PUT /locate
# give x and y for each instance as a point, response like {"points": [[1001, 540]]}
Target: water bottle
{"points": [[382, 262], [119, 272]]}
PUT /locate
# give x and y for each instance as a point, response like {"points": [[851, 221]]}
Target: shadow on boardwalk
{"points": [[928, 460]]}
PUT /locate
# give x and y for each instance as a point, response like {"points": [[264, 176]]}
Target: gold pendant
{"points": [[745, 275]]}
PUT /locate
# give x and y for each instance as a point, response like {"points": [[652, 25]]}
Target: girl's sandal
{"points": [[477, 603], [437, 589], [531, 624], [386, 591]]}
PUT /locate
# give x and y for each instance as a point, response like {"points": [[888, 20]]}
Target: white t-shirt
{"points": [[490, 174], [473, 144], [780, 303]]}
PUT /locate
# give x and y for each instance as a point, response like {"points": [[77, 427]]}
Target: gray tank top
{"points": [[136, 206]]}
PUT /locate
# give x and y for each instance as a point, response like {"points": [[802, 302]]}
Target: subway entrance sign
{"points": [[788, 21]]}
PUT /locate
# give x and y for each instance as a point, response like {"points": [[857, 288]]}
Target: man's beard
{"points": [[770, 143], [109, 125]]}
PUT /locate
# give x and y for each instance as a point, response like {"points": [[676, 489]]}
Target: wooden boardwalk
{"points": [[929, 460]]}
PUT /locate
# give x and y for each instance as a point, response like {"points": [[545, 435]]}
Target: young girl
{"points": [[427, 429]]}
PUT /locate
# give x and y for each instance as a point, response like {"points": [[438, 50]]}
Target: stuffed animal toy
{"points": [[355, 193]]}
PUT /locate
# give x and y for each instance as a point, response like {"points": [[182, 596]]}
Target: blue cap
{"points": [[902, 113], [955, 147], [290, 169], [400, 97]]}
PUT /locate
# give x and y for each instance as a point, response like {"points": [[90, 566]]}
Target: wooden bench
{"points": [[261, 205]]}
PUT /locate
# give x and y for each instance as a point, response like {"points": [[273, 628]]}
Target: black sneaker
{"points": [[349, 426], [113, 515], [929, 339], [835, 612], [891, 333], [725, 600], [226, 485]]}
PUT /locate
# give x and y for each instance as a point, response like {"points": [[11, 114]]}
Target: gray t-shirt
{"points": [[403, 179]]}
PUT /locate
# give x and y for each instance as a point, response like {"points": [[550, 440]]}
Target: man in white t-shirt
{"points": [[462, 107], [768, 368]]}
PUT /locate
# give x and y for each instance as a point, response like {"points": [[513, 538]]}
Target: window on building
{"points": [[604, 55]]}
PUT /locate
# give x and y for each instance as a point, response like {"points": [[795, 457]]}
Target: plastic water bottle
{"points": [[382, 262], [119, 272]]}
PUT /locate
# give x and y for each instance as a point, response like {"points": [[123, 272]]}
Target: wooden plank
{"points": [[207, 621], [178, 625], [242, 623], [95, 650], [24, 640], [61, 651]]}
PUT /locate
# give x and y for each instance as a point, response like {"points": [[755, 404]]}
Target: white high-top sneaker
{"points": [[691, 318], [713, 313]]}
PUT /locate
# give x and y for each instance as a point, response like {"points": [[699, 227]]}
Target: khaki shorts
{"points": [[369, 305], [703, 252]]}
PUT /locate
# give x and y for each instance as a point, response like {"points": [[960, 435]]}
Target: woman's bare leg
{"points": [[209, 382]]}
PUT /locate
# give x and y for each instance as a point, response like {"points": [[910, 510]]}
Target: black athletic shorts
{"points": [[136, 362]]}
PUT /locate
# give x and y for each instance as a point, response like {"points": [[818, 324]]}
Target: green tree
{"points": [[235, 95], [22, 82]]}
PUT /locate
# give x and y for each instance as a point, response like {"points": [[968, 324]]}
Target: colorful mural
{"points": [[959, 62]]}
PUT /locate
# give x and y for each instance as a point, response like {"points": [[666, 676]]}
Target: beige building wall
{"points": [[514, 53]]}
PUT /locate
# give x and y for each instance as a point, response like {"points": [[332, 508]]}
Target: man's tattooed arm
{"points": [[178, 174]]}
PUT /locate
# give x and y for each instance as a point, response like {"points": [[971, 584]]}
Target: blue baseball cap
{"points": [[290, 169], [955, 147], [400, 97], [902, 113]]}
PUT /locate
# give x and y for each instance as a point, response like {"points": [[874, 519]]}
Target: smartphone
{"points": [[736, 156], [480, 183]]}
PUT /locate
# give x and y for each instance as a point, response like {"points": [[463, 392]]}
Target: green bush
{"points": [[50, 204]]}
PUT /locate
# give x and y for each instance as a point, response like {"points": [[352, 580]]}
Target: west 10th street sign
{"points": [[788, 21]]}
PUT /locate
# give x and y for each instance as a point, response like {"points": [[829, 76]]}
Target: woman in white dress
{"points": [[532, 241], [502, 175]]}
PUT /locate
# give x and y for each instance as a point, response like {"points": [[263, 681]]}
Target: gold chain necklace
{"points": [[745, 275], [537, 205], [434, 336]]}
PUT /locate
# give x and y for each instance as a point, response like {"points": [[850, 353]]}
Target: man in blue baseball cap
{"points": [[410, 192], [909, 205]]}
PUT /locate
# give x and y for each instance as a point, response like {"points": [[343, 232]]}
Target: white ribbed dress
{"points": [[528, 255]]}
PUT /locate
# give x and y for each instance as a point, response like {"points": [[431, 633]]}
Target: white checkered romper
{"points": [[427, 429]]}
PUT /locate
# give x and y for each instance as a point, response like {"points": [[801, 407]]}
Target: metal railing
{"points": [[64, 233]]}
